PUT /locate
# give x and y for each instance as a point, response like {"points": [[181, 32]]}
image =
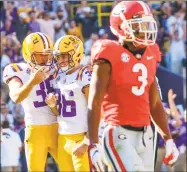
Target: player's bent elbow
{"points": [[16, 99]]}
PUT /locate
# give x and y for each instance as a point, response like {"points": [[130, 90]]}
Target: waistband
{"points": [[129, 127]]}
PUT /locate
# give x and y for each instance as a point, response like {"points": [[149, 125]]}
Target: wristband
{"points": [[52, 105], [169, 158]]}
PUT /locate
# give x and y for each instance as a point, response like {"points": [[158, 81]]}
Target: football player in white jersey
{"points": [[29, 83], [72, 86]]}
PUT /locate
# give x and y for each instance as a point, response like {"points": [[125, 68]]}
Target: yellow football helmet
{"points": [[37, 49], [71, 48]]}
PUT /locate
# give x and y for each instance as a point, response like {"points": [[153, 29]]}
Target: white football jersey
{"points": [[72, 103], [35, 108]]}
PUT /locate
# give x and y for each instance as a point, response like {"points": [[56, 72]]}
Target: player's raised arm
{"points": [[158, 112], [18, 91], [160, 119], [98, 87]]}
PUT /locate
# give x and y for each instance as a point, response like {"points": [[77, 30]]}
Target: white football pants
{"points": [[127, 150]]}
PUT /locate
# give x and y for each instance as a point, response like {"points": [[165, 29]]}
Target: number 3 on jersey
{"points": [[138, 91]]}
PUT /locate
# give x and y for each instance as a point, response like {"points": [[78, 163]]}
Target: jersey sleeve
{"points": [[12, 70], [86, 77], [99, 51]]}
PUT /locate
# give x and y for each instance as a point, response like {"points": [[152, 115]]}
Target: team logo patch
{"points": [[125, 57], [122, 137], [28, 71]]}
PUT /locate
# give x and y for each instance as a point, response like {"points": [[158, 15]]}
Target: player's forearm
{"points": [[98, 87], [55, 110], [19, 94], [94, 111], [93, 124], [160, 118]]}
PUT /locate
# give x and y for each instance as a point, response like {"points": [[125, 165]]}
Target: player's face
{"points": [[63, 60], [143, 30], [138, 28], [42, 59]]}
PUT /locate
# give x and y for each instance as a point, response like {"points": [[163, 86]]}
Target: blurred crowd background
{"points": [[90, 22]]}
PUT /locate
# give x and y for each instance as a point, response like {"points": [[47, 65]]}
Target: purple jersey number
{"points": [[63, 104], [43, 93]]}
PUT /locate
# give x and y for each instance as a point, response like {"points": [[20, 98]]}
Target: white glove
{"points": [[96, 157], [171, 153]]}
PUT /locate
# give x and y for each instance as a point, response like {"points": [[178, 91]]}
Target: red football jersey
{"points": [[126, 102]]}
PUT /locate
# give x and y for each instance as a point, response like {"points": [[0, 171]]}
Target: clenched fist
{"points": [[51, 100]]}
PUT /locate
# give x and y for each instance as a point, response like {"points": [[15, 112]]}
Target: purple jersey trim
{"points": [[13, 68], [80, 73], [19, 68]]}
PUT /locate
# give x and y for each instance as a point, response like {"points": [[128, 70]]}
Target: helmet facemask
{"points": [[65, 60], [39, 59], [140, 31]]}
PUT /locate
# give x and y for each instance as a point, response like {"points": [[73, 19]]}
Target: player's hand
{"points": [[171, 153], [51, 99], [171, 95], [40, 75], [96, 157], [80, 150]]}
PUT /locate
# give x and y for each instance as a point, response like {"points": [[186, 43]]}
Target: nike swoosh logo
{"points": [[149, 57]]}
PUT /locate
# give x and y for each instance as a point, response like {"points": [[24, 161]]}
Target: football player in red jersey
{"points": [[124, 85]]}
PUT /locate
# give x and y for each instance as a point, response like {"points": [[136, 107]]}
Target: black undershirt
{"points": [[138, 51]]}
